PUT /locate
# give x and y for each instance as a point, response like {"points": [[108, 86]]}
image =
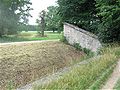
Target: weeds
{"points": [[85, 50], [63, 39], [77, 46]]}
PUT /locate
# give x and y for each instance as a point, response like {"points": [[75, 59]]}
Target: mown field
{"points": [[23, 63], [91, 75], [30, 36]]}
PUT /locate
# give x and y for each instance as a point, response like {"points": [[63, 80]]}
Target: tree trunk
{"points": [[43, 23], [42, 32]]}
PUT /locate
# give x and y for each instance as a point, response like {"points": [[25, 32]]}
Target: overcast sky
{"points": [[39, 5]]}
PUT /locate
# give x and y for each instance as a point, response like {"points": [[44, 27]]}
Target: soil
{"points": [[25, 62]]}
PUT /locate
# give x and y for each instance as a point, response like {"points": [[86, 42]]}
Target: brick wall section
{"points": [[86, 39]]}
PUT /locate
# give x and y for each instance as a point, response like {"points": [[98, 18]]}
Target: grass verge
{"points": [[82, 77], [101, 80], [90, 75], [117, 86]]}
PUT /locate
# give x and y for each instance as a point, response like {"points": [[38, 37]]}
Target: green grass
{"points": [[101, 80], [117, 86], [12, 39], [88, 76], [30, 36]]}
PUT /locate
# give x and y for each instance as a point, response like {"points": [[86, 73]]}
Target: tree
{"points": [[53, 20], [26, 28], [79, 12], [41, 21], [109, 28], [13, 12], [102, 17]]}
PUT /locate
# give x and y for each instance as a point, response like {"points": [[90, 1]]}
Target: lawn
{"points": [[27, 62], [117, 86], [31, 36]]}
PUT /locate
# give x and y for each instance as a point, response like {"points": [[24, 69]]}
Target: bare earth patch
{"points": [[26, 62]]}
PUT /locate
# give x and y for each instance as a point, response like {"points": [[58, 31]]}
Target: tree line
{"points": [[101, 17], [12, 14], [50, 20]]}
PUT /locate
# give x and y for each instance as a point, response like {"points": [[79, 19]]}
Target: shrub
{"points": [[85, 50], [63, 39], [77, 46]]}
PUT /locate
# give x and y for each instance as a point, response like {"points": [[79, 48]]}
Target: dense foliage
{"points": [[13, 12], [53, 19], [109, 28], [79, 12], [100, 17], [24, 27]]}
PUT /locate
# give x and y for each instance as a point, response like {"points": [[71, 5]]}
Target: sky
{"points": [[39, 5]]}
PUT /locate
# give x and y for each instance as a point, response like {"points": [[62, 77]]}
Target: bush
{"points": [[63, 39], [77, 46], [85, 50]]}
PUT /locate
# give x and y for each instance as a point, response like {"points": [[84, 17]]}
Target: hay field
{"points": [[23, 63]]}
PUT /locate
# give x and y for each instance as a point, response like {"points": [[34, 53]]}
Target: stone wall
{"points": [[86, 39]]}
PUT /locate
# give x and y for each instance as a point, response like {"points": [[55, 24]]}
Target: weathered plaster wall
{"points": [[77, 35]]}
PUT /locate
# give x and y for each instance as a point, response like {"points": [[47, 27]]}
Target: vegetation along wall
{"points": [[86, 39]]}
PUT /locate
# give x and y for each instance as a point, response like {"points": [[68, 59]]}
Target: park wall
{"points": [[86, 39]]}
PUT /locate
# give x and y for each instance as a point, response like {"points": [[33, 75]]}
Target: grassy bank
{"points": [[86, 75]]}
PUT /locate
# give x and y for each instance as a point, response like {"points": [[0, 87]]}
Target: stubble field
{"points": [[23, 63]]}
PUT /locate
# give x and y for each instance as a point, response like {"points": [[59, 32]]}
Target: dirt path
{"points": [[113, 78], [15, 43]]}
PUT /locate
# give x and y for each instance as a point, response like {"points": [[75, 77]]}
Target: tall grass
{"points": [[84, 76]]}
